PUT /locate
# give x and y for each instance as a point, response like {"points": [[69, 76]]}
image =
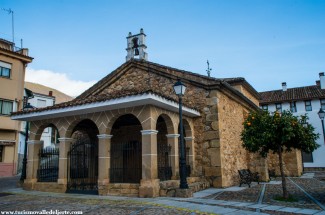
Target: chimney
{"points": [[284, 86], [318, 83], [50, 93], [322, 80]]}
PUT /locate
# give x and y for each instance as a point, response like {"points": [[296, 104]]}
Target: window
{"points": [[308, 105], [5, 69], [307, 157], [41, 103], [265, 107], [5, 107], [322, 104], [293, 107], [278, 107]]}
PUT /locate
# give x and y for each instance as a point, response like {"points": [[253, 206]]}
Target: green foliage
{"points": [[264, 132]]}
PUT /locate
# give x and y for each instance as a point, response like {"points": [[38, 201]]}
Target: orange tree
{"points": [[278, 132]]}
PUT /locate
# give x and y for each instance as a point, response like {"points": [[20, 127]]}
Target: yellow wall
{"points": [[246, 93], [12, 89], [233, 155]]}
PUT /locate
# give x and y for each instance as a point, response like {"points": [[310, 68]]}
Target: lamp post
{"points": [[179, 89], [321, 115], [23, 171]]}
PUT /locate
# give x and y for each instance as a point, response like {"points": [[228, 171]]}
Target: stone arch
{"points": [[168, 121], [139, 112], [126, 150], [188, 131], [82, 162], [36, 129], [73, 123], [86, 126], [163, 147]]}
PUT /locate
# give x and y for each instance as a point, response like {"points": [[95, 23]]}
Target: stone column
{"points": [[63, 159], [173, 142], [32, 162], [104, 147], [149, 184], [190, 143]]}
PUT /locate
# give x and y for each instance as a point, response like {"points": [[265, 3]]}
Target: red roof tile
{"points": [[292, 94]]}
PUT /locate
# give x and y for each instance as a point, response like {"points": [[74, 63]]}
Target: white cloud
{"points": [[59, 81]]}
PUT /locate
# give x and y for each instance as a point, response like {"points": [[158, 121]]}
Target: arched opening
{"points": [[126, 150], [50, 137], [83, 159], [48, 169], [163, 150]]}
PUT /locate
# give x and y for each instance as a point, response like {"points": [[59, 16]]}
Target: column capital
{"points": [[189, 138], [172, 135], [35, 141], [65, 139], [148, 132], [104, 136]]}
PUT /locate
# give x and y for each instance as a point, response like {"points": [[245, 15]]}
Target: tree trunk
{"points": [[284, 184]]}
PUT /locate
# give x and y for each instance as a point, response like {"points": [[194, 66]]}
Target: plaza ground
{"points": [[308, 190]]}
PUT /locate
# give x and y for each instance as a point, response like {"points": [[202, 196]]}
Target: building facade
{"points": [[13, 62], [300, 101], [121, 136], [43, 96]]}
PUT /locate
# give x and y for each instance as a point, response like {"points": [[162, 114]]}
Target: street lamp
{"points": [[27, 107], [321, 115], [179, 89]]}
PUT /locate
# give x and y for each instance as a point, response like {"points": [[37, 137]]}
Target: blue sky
{"points": [[264, 41]]}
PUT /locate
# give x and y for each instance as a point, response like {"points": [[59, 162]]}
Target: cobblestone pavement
{"points": [[8, 183], [234, 200], [23, 202], [313, 203]]}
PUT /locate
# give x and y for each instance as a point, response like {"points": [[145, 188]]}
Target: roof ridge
{"points": [[289, 88]]}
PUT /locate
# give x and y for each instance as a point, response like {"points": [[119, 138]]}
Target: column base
{"points": [[62, 181], [184, 193], [149, 188], [103, 181]]}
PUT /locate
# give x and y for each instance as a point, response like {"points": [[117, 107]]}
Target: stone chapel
{"points": [[121, 136]]}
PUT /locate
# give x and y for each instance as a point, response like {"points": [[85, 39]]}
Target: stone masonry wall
{"points": [[292, 163], [233, 155], [246, 93], [139, 80]]}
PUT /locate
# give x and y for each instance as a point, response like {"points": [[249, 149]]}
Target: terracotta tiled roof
{"points": [[89, 96], [158, 68], [91, 99], [292, 94]]}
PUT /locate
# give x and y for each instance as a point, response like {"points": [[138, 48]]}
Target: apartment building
{"points": [[301, 100], [13, 62]]}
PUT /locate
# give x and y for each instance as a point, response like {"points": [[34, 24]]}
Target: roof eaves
{"points": [[22, 57], [239, 95]]}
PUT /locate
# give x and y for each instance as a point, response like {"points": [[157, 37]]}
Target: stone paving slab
{"points": [[257, 206], [229, 203], [241, 212], [273, 207], [243, 204], [307, 211], [206, 192], [289, 210]]}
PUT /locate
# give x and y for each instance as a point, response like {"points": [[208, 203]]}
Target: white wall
{"points": [[40, 101], [319, 154]]}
